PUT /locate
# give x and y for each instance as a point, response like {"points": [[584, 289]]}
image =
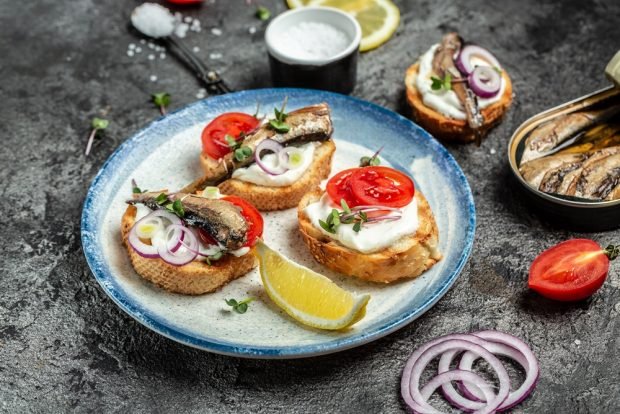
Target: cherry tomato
{"points": [[234, 124], [251, 215], [570, 271], [382, 186], [338, 187]]}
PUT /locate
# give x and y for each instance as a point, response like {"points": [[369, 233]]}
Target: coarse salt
{"points": [[252, 30], [312, 40], [153, 20], [216, 31], [181, 30], [195, 49], [151, 57], [153, 78], [215, 56]]}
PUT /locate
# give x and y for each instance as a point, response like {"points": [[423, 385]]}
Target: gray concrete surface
{"points": [[65, 347]]}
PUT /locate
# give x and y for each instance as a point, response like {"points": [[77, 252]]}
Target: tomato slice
{"points": [[570, 271], [381, 186], [251, 215], [234, 124], [338, 187]]}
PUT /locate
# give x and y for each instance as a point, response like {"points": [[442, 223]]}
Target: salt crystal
{"points": [[216, 31], [130, 53], [151, 45], [577, 342], [153, 78], [201, 93], [187, 19], [162, 56], [153, 20], [132, 46], [312, 40], [215, 56], [142, 41], [492, 151], [196, 49], [138, 50], [181, 30], [151, 57], [196, 23], [252, 30]]}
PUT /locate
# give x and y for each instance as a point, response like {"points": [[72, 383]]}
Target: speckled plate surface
{"points": [[165, 155]]}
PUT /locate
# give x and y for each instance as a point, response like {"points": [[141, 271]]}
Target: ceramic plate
{"points": [[165, 155]]}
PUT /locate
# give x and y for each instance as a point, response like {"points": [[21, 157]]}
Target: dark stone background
{"points": [[64, 345]]}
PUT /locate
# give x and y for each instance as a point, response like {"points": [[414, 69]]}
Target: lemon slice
{"points": [[379, 19], [307, 296]]}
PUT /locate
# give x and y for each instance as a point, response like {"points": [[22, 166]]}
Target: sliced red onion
{"points": [[389, 217], [485, 82], [478, 400], [156, 222], [445, 378], [374, 208], [464, 59], [149, 251], [183, 255], [410, 384], [273, 146]]}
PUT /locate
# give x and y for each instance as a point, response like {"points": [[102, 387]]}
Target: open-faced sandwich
{"points": [[189, 243], [458, 91], [370, 223], [272, 164]]}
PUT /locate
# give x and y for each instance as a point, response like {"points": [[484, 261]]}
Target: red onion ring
{"points": [[464, 59], [485, 82], [149, 251], [182, 256], [273, 146], [445, 378], [420, 359]]}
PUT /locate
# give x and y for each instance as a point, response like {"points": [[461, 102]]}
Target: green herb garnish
{"points": [[97, 125], [243, 153], [240, 152], [214, 257], [346, 216], [263, 13], [279, 124], [175, 206], [135, 189], [445, 83], [239, 307], [612, 251], [161, 199], [162, 100], [371, 161]]}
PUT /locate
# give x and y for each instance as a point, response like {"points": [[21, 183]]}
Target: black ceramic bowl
{"points": [[336, 73], [568, 212]]}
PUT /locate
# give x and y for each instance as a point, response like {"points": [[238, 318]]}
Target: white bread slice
{"points": [[194, 278], [407, 258], [278, 198], [443, 127]]}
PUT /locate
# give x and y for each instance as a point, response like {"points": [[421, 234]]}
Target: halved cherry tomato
{"points": [[381, 186], [570, 271], [338, 187], [234, 124], [251, 215]]}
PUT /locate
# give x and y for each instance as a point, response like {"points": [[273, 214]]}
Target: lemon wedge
{"points": [[307, 296], [379, 19]]}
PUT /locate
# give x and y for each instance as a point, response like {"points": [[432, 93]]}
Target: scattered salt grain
{"points": [[153, 78], [162, 56], [187, 19], [201, 93], [195, 49], [138, 50], [577, 342], [313, 40], [142, 41], [153, 20], [130, 53], [216, 31], [151, 45], [492, 151], [132, 46], [252, 30], [181, 30], [151, 57], [215, 56]]}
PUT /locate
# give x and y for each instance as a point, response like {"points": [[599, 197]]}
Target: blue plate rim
{"points": [[142, 315]]}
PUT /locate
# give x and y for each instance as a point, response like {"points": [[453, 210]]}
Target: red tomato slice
{"points": [[570, 271], [381, 186], [234, 124], [338, 187], [251, 215]]}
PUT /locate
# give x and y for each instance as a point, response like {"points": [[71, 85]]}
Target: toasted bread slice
{"points": [[407, 258], [443, 127], [194, 278], [278, 198]]}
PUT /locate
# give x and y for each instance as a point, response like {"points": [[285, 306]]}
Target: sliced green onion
{"points": [[211, 192]]}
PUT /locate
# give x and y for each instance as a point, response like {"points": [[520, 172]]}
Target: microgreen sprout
{"points": [[371, 161], [438, 83], [278, 123], [240, 152], [161, 100], [175, 206], [263, 13], [135, 189], [346, 216], [239, 307], [97, 125]]}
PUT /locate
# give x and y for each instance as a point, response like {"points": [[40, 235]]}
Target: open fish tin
{"points": [[570, 211]]}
